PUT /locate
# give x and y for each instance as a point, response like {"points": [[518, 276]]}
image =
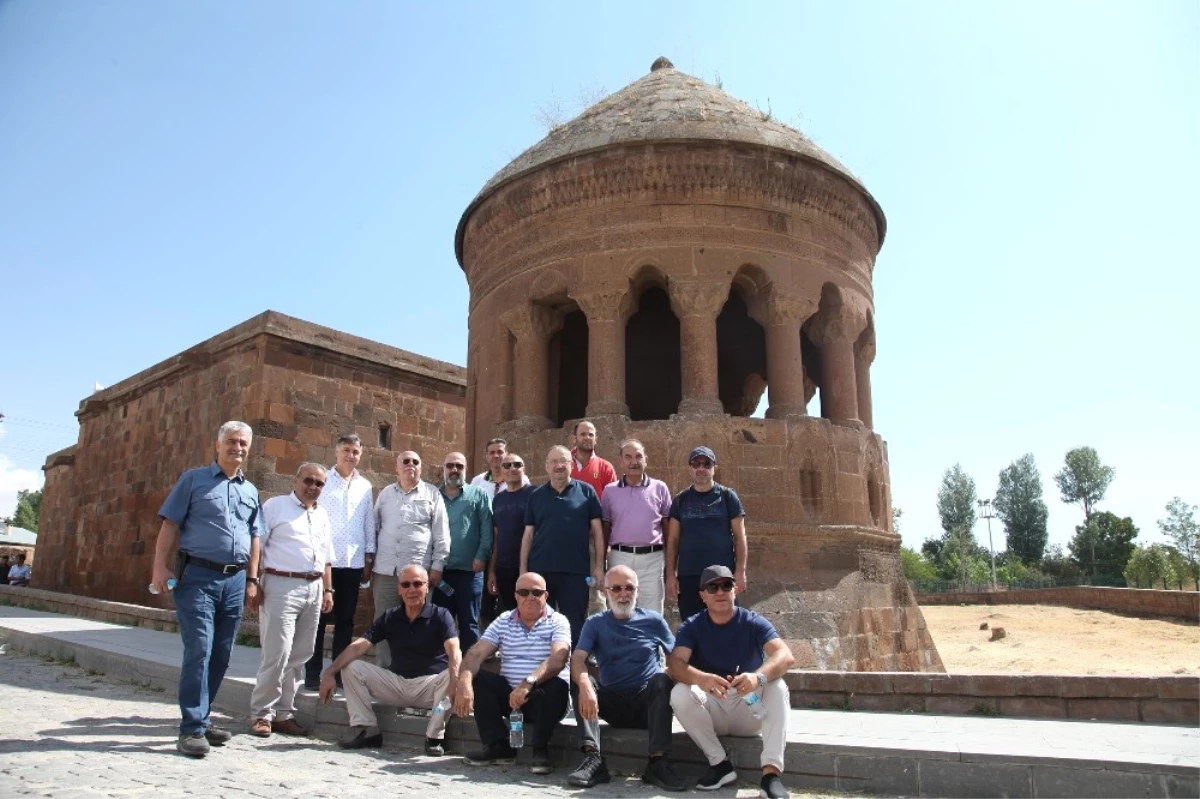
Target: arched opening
{"points": [[741, 357], [812, 370], [653, 379], [569, 368]]}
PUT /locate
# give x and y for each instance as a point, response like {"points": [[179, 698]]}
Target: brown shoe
{"points": [[261, 728], [288, 727]]}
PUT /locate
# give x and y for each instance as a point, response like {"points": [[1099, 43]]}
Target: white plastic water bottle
{"points": [[442, 707], [154, 588], [757, 709], [446, 588], [516, 729]]}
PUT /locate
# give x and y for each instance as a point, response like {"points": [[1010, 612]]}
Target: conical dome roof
{"points": [[665, 105]]}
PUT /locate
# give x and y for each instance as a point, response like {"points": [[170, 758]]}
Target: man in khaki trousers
{"points": [[425, 659]]}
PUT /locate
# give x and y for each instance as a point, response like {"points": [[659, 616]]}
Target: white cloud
{"points": [[14, 479]]}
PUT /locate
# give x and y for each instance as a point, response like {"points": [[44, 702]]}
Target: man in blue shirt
{"points": [[469, 513], [214, 516], [561, 520], [632, 691], [728, 665], [508, 522]]}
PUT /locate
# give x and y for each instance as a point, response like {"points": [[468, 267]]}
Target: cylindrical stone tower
{"points": [[654, 265]]}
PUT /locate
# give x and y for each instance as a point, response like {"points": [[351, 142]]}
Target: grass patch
{"points": [[984, 709], [248, 639]]}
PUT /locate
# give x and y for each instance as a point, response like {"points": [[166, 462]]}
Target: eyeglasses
{"points": [[512, 465], [412, 584], [725, 586], [411, 461], [454, 467], [312, 481], [535, 592], [627, 589], [701, 463]]}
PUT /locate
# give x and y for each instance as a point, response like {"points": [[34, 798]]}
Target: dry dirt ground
{"points": [[1043, 639]]}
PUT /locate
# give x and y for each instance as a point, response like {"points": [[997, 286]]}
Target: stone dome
{"points": [[665, 105]]}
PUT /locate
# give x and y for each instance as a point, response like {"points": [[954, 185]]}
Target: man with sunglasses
{"points": [[729, 653], [411, 527], [293, 574], [633, 691], [469, 514], [534, 642], [423, 671], [707, 525], [495, 480], [508, 523], [634, 508]]}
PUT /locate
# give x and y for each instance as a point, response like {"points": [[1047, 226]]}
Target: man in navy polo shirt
{"points": [[214, 515], [562, 517], [508, 520]]}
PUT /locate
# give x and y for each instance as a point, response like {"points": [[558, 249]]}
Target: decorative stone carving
{"points": [[604, 306], [531, 320], [698, 297]]}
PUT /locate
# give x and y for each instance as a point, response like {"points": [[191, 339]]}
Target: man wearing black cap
{"points": [[728, 664], [707, 525]]}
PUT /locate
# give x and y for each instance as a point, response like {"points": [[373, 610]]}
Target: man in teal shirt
{"points": [[469, 511]]}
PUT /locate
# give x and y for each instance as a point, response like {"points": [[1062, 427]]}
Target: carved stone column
{"points": [[862, 379], [839, 390], [697, 302], [532, 325], [781, 316], [606, 312]]}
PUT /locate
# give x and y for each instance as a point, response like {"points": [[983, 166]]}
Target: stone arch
{"points": [[569, 366], [742, 345], [653, 375]]}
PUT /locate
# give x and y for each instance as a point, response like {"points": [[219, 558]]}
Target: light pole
{"points": [[986, 511]]}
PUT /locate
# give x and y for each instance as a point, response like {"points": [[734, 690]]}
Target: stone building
{"points": [[297, 384], [656, 264]]}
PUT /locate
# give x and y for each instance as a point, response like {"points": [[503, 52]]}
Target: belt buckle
{"points": [[230, 568]]}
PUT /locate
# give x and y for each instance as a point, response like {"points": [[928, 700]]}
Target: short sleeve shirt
{"points": [[418, 645], [597, 472], [508, 516], [705, 528], [523, 649], [217, 514], [627, 650], [561, 527], [726, 649], [636, 512]]}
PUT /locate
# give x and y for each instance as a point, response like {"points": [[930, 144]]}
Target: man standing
{"points": [[424, 669], [348, 499], [495, 480], [633, 691], [295, 586], [214, 517], [707, 525], [561, 519], [533, 642], [469, 512], [586, 465], [508, 522], [633, 509], [411, 526], [732, 655]]}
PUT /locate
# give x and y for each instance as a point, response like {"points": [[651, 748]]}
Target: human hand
{"points": [[519, 696], [253, 596], [464, 699], [740, 579], [328, 686], [327, 602], [744, 683], [712, 684], [158, 578], [478, 566], [493, 587], [589, 705]]}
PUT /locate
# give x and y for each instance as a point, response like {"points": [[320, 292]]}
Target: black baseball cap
{"points": [[713, 573]]}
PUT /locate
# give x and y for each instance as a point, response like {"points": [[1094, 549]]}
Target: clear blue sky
{"points": [[171, 169]]}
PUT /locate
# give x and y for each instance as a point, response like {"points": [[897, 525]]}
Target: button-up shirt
{"points": [[636, 512], [411, 527], [349, 505], [217, 514], [298, 538], [470, 515]]}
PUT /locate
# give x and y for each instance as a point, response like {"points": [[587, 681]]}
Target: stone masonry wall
{"points": [[1139, 601]]}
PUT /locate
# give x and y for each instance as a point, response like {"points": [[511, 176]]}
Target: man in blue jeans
{"points": [[469, 514], [213, 513]]}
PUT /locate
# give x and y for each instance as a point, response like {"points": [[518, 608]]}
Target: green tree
{"points": [[956, 500], [1020, 506], [896, 514], [916, 567], [1148, 565], [1084, 480], [29, 507], [1055, 563], [1181, 528], [1104, 543]]}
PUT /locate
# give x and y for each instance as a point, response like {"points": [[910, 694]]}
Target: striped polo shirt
{"points": [[523, 649]]}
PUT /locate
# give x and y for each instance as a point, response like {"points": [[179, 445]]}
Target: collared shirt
{"points": [[470, 517], [298, 539], [411, 527], [217, 515], [508, 520], [418, 645], [705, 527], [523, 649], [561, 528], [596, 471], [349, 505], [19, 572], [493, 487], [636, 512]]}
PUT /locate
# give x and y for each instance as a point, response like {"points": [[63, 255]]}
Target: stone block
{"points": [[1178, 688], [887, 776], [1041, 707], [1084, 687], [1170, 711], [1054, 781], [951, 778], [1103, 709], [955, 705], [1132, 687]]}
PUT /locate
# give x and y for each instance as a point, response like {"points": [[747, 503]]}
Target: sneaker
{"points": [[261, 728], [660, 774], [359, 739], [217, 736], [717, 776], [434, 747], [540, 764], [491, 755], [771, 787], [591, 772], [288, 727], [192, 745]]}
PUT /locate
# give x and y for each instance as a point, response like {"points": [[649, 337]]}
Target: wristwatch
{"points": [[252, 580], [762, 678], [329, 590], [531, 681]]}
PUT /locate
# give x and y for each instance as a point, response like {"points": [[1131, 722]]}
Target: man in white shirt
{"points": [[349, 499], [292, 571]]}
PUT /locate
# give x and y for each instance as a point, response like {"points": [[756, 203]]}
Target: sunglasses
{"points": [[412, 584], [512, 465], [627, 589], [725, 586], [454, 467], [536, 592], [411, 461], [701, 463], [312, 481]]}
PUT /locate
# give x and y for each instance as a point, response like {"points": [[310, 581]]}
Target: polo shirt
{"points": [[705, 528], [508, 519], [627, 650], [726, 649], [217, 514], [561, 528], [636, 512], [470, 518], [597, 472], [418, 645], [523, 649]]}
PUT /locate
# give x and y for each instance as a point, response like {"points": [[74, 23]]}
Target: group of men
{"points": [[431, 553]]}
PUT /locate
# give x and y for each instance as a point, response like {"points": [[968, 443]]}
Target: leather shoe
{"points": [[288, 727], [217, 736], [358, 739], [261, 728]]}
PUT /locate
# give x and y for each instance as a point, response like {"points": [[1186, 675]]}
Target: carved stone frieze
{"points": [[531, 320], [604, 306], [775, 307], [703, 297]]}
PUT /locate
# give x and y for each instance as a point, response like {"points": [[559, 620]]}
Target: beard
{"points": [[623, 609], [454, 479]]}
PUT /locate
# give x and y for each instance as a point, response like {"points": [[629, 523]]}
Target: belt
{"points": [[638, 550], [223, 568], [310, 576]]}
